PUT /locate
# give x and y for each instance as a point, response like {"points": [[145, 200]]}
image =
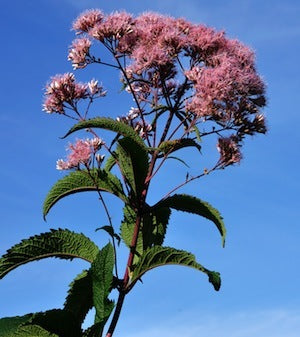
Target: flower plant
{"points": [[188, 82]]}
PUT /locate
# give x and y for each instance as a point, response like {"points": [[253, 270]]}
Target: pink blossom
{"points": [[95, 89], [80, 153], [78, 52], [229, 151], [62, 90], [114, 26], [88, 20]]}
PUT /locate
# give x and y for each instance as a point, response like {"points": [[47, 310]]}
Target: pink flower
{"points": [[95, 89], [115, 26], [78, 52], [229, 151], [88, 20], [63, 89], [80, 153]]}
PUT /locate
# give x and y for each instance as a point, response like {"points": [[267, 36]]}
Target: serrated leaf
{"points": [[170, 146], [127, 229], [80, 296], [108, 124], [188, 203], [133, 163], [102, 276], [60, 243], [33, 331], [160, 256], [81, 181], [9, 325], [110, 162], [59, 322], [154, 226]]}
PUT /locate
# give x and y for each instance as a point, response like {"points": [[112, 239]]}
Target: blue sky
{"points": [[259, 199]]}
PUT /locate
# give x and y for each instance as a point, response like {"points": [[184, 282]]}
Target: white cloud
{"points": [[271, 323]]}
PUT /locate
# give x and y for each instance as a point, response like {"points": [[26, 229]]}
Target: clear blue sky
{"points": [[259, 199]]}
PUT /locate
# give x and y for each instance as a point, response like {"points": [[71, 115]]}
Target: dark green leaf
{"points": [[154, 226], [9, 325], [80, 296], [179, 159], [133, 163], [59, 322], [188, 203], [170, 146], [102, 275], [32, 331], [111, 232], [59, 243], [160, 256], [80, 181], [110, 162], [108, 124], [127, 229]]}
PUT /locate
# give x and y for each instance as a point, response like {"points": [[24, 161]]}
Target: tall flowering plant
{"points": [[187, 82]]}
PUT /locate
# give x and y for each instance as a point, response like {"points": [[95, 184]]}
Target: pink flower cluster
{"points": [[80, 153], [63, 90], [229, 151], [79, 52]]}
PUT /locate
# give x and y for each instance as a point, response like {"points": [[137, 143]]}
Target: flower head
{"points": [[229, 151], [80, 153], [78, 52], [87, 20]]}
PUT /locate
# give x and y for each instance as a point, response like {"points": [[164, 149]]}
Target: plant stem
{"points": [[116, 315]]}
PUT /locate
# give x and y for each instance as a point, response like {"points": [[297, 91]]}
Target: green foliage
{"points": [[153, 228], [188, 203], [52, 323], [108, 124], [9, 325], [170, 146], [127, 229], [80, 181], [160, 256], [80, 296], [60, 243], [102, 277], [133, 163], [57, 321], [111, 232], [33, 331]]}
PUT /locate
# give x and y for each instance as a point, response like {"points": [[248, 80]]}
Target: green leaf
{"points": [[111, 232], [102, 275], [197, 132], [127, 229], [59, 322], [52, 323], [188, 203], [170, 146], [133, 163], [108, 124], [110, 162], [81, 181], [9, 325], [180, 160], [60, 243], [160, 256], [80, 296], [154, 226], [33, 331]]}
